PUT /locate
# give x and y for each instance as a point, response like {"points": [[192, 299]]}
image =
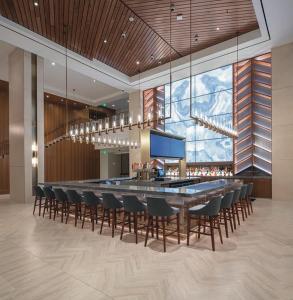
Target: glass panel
{"points": [[214, 150], [213, 104], [212, 81], [180, 90]]}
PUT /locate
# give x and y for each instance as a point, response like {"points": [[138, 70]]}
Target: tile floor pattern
{"points": [[43, 259]]}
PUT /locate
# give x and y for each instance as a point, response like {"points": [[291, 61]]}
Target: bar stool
{"points": [[210, 210], [159, 208], [50, 200], [235, 212], [91, 203], [39, 195], [110, 206], [225, 211], [132, 206], [61, 198], [74, 201]]}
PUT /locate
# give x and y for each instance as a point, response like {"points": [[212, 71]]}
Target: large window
{"points": [[211, 96]]}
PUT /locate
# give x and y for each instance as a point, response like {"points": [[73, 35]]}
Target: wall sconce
{"points": [[138, 121], [34, 154]]}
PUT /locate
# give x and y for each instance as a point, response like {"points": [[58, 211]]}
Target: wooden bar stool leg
{"points": [[188, 228], [157, 228], [164, 236], [129, 222], [83, 218], [103, 218], [113, 222], [135, 227], [147, 231], [123, 223], [178, 227], [92, 214], [233, 216], [199, 227], [76, 214], [35, 204], [230, 219], [40, 205], [219, 229], [225, 223], [212, 233]]}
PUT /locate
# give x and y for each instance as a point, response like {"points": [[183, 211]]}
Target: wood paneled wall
{"points": [[67, 160], [4, 137]]}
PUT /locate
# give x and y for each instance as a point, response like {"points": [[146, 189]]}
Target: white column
{"points": [[40, 119], [104, 164], [282, 122], [20, 126], [135, 108]]}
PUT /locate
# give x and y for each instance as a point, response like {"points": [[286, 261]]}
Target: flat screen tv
{"points": [[166, 147]]}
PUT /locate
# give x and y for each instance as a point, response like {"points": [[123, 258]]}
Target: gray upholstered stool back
{"points": [[49, 194], [39, 191], [73, 196], [91, 199], [110, 201], [158, 207], [249, 189], [212, 208], [236, 196], [227, 200], [60, 195], [243, 191], [132, 204]]}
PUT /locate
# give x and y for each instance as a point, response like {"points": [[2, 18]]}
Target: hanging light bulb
{"points": [[114, 124], [106, 125], [99, 140], [130, 121], [121, 121], [93, 139], [127, 143], [138, 120], [87, 127], [93, 126], [87, 139], [71, 132], [80, 139], [76, 130], [81, 129]]}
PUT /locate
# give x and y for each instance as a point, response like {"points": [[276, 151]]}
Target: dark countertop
{"points": [[187, 191]]}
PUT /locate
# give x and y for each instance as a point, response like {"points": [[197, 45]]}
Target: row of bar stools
{"points": [[206, 215]]}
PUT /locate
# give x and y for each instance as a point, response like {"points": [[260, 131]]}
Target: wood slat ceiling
{"points": [[84, 25]]}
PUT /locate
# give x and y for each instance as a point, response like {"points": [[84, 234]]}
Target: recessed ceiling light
{"points": [[105, 41], [53, 63], [124, 35], [218, 28], [36, 3], [137, 62], [179, 17], [152, 57], [131, 19], [47, 96]]}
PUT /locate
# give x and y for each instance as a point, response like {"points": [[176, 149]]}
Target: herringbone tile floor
{"points": [[43, 259]]}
